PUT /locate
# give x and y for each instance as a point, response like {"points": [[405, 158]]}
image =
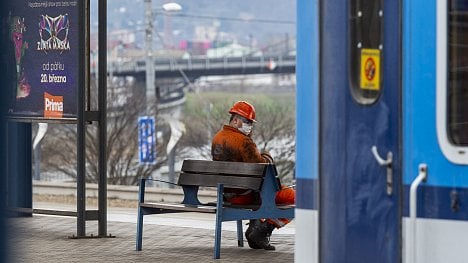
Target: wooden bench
{"points": [[259, 177]]}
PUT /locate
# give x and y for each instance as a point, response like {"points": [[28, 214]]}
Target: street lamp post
{"points": [[150, 72], [150, 76], [151, 100]]}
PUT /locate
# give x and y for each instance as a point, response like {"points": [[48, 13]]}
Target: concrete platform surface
{"points": [[187, 237]]}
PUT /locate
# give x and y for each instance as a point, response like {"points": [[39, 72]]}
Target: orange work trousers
{"points": [[285, 196]]}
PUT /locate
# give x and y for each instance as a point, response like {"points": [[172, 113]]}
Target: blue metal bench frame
{"points": [[224, 212]]}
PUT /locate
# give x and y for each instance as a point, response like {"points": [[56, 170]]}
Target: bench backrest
{"points": [[231, 174]]}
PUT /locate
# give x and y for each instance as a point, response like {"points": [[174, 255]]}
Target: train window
{"points": [[366, 40], [452, 79], [457, 73]]}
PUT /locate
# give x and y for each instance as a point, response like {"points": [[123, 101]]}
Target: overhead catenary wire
{"points": [[236, 19]]}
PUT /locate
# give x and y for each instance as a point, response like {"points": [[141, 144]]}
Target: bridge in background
{"points": [[174, 75], [193, 68]]}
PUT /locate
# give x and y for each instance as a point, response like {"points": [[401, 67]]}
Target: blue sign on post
{"points": [[146, 140]]}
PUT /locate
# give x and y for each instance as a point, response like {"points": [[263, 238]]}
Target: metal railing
{"points": [[208, 66]]}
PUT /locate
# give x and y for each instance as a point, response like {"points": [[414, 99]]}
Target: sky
{"points": [[248, 21]]}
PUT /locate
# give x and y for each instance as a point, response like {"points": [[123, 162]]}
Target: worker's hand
{"points": [[266, 155]]}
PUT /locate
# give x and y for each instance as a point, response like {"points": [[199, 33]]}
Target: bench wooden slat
{"points": [[212, 180], [219, 167], [181, 207]]}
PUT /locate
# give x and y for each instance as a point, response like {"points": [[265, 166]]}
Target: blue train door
{"points": [[359, 157]]}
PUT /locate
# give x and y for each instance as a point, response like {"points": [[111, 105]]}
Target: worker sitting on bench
{"points": [[234, 143]]}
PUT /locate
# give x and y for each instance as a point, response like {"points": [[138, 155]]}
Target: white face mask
{"points": [[246, 128]]}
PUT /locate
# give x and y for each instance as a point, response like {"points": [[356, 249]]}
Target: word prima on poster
{"points": [[51, 105]]}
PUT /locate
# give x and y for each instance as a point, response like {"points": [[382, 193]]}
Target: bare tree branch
{"points": [[59, 147]]}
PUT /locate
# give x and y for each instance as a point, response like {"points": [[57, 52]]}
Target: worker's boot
{"points": [[248, 233], [260, 235]]}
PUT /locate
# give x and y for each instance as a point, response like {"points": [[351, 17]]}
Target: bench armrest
{"points": [[269, 188], [141, 190]]}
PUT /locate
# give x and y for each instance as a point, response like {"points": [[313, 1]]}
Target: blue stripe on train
{"points": [[433, 202], [307, 193], [439, 202]]}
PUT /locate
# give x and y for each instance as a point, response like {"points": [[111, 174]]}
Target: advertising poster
{"points": [[146, 140], [45, 38]]}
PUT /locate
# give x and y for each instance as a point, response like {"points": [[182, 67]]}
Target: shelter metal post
{"points": [[102, 103], [81, 146]]}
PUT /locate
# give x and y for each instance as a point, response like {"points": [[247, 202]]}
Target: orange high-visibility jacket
{"points": [[230, 144]]}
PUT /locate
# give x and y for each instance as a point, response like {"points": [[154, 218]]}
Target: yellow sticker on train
{"points": [[370, 69]]}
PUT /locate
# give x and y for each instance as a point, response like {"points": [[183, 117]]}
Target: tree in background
{"points": [[59, 147], [203, 116]]}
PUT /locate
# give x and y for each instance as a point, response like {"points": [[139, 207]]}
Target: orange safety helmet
{"points": [[244, 109]]}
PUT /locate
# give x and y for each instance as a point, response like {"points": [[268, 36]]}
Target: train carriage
{"points": [[382, 131]]}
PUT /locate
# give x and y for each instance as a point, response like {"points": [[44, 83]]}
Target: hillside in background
{"points": [[255, 23]]}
